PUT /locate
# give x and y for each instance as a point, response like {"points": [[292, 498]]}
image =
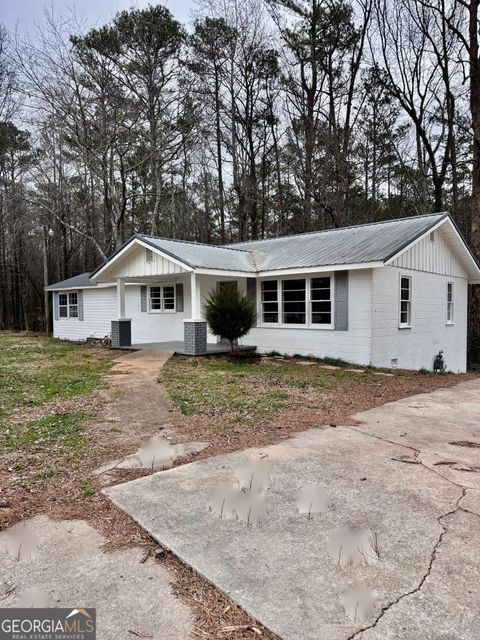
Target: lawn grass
{"points": [[243, 393], [55, 433], [34, 371]]}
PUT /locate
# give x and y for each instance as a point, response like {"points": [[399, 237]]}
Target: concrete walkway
{"points": [[404, 485], [63, 566]]}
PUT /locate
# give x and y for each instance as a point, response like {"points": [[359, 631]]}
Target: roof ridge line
{"points": [[353, 226], [194, 242]]}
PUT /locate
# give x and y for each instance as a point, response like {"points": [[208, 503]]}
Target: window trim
{"points": [[450, 321], [68, 305], [405, 325], [308, 303], [161, 287]]}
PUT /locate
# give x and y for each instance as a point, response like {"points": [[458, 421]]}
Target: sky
{"points": [[25, 14]]}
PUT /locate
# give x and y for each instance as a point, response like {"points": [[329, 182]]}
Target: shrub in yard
{"points": [[229, 314]]}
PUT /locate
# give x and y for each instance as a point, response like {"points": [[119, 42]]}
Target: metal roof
{"points": [[204, 256], [81, 282], [368, 243], [374, 242]]}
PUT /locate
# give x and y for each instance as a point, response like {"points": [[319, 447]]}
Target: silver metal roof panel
{"points": [[348, 245]]}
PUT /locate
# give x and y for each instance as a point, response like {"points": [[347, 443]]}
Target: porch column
{"points": [[195, 329], [122, 326]]}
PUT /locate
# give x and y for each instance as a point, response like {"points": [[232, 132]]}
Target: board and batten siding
{"points": [[430, 265], [134, 265], [99, 308], [431, 257], [353, 344]]}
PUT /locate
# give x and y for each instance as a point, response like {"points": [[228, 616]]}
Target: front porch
{"points": [[160, 299]]}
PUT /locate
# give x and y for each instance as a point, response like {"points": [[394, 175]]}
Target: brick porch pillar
{"points": [[195, 337], [121, 333]]}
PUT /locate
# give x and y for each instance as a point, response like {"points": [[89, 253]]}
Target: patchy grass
{"points": [[243, 393], [235, 405], [55, 434], [34, 371], [42, 426]]}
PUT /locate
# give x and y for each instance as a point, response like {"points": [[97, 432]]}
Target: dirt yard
{"points": [[64, 412], [234, 405]]}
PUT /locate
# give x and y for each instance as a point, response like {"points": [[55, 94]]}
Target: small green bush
{"points": [[229, 314]]}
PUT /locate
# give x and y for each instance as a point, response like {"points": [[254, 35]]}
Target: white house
{"points": [[389, 294]]}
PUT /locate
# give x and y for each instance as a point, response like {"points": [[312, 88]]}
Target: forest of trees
{"points": [[261, 118]]}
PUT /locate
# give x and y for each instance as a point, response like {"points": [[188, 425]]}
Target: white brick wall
{"points": [[353, 345], [417, 346]]}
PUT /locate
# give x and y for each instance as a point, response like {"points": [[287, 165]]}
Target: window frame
{"points": [[68, 306], [162, 298], [308, 302], [408, 324], [450, 320]]}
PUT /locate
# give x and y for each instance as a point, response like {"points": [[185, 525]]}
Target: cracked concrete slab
{"points": [[134, 460], [432, 613], [66, 567], [280, 571], [430, 424]]}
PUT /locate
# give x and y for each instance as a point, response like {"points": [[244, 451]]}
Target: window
{"points": [[148, 255], [162, 298], [405, 301], [269, 301], [294, 301], [432, 236], [450, 306], [320, 300], [68, 305], [300, 301]]}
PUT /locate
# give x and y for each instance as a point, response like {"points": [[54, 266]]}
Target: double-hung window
{"points": [[405, 301], [269, 301], [294, 301], [450, 304], [321, 300], [162, 298], [68, 305]]}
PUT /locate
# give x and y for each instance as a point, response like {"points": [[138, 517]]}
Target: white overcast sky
{"points": [[25, 14]]}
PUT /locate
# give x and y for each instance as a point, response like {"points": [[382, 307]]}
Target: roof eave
{"points": [[142, 242], [467, 257]]}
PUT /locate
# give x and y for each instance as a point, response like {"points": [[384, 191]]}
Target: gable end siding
{"points": [[432, 257]]}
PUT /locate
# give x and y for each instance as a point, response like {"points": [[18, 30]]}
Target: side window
{"points": [[63, 305], [73, 305], [269, 301], [155, 298], [169, 298], [321, 300], [405, 301], [450, 303]]}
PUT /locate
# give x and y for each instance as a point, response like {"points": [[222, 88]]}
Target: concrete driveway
{"points": [[405, 482]]}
